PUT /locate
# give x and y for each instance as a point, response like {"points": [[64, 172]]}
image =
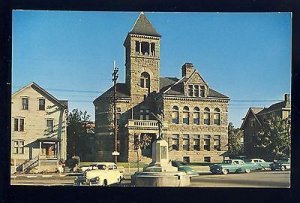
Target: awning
{"points": [[48, 139]]}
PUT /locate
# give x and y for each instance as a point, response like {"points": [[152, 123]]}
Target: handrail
{"points": [[30, 162]]}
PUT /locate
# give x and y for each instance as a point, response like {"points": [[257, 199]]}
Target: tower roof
{"points": [[143, 26]]}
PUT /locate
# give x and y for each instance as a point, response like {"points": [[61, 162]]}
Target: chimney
{"points": [[187, 70], [287, 100]]}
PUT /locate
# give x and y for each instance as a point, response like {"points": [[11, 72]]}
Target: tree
{"points": [[77, 121], [235, 136], [274, 138], [139, 143]]}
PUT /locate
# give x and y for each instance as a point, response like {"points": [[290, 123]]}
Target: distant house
{"points": [[255, 118], [38, 128]]}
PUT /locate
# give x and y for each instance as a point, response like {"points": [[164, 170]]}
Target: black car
{"points": [[282, 164]]}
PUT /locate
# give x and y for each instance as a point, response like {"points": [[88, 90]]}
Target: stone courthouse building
{"points": [[195, 117]]}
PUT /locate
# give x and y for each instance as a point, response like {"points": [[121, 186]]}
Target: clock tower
{"points": [[142, 46]]}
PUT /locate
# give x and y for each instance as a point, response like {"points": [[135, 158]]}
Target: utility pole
{"points": [[115, 77]]}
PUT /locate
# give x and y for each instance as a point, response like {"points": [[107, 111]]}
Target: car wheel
{"points": [[105, 182], [247, 170], [225, 171], [283, 168]]}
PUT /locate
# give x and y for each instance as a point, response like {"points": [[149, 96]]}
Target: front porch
{"points": [[49, 148], [139, 130]]}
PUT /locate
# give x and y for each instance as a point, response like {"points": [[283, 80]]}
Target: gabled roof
{"points": [[254, 111], [122, 92], [61, 103], [174, 86], [142, 26]]}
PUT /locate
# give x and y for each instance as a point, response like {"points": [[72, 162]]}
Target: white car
{"points": [[90, 167], [106, 174]]}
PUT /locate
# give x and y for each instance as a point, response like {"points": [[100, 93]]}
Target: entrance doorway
{"points": [[149, 138], [48, 150]]}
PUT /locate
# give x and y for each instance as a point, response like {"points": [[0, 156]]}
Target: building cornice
{"points": [[195, 99]]}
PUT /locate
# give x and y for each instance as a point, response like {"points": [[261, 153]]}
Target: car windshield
{"points": [[227, 161]]}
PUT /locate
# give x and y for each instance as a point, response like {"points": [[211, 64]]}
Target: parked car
{"points": [[232, 166], [182, 166], [89, 167], [106, 174], [282, 164], [259, 163]]}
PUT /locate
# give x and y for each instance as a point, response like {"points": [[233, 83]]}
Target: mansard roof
{"points": [[36, 87], [143, 26], [122, 92], [175, 86]]}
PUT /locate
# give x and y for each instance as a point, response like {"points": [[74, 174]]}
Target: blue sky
{"points": [[246, 56]]}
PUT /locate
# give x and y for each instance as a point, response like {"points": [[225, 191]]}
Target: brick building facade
{"points": [[195, 117]]}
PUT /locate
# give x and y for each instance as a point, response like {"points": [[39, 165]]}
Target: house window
{"points": [[197, 142], [202, 91], [190, 90], [50, 125], [18, 147], [186, 142], [252, 122], [19, 124], [175, 142], [207, 142], [16, 124], [175, 115], [118, 115], [206, 159], [25, 103], [145, 80], [217, 120], [41, 104], [196, 90], [196, 116], [206, 116], [144, 114], [193, 90], [186, 115], [217, 143]]}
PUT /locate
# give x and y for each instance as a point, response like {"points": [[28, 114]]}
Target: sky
{"points": [[246, 56]]}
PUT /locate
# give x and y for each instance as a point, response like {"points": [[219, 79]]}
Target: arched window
{"points": [[196, 116], [186, 115], [145, 80], [206, 116], [175, 115], [217, 116]]}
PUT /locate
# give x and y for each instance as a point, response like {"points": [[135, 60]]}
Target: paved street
{"points": [[268, 179]]}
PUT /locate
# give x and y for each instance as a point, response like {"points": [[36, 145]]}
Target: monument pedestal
{"points": [[160, 172]]}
